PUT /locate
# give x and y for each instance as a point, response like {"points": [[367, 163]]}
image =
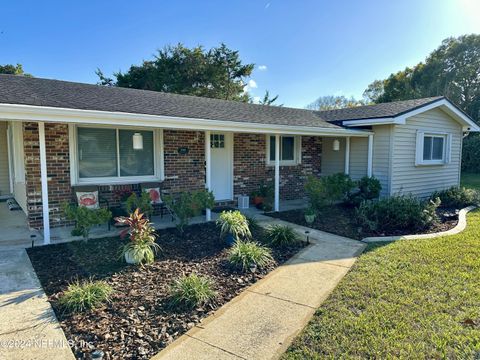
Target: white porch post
{"points": [[370, 156], [277, 172], [208, 167], [44, 181], [347, 155]]}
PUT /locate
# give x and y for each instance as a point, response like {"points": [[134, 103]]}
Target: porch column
{"points": [[347, 155], [208, 167], [44, 181], [277, 172], [370, 156]]}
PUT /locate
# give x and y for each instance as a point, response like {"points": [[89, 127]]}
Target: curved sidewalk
{"points": [[28, 326], [261, 322]]}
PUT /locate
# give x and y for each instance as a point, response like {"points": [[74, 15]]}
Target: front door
{"points": [[222, 165]]}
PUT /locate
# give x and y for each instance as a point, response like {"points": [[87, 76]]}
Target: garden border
{"points": [[462, 224]]}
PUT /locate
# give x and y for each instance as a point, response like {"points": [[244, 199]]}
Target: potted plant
{"points": [[256, 197], [142, 247], [234, 226], [310, 215]]}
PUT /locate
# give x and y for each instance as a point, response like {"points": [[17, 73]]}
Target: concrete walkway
{"points": [[28, 326], [261, 322]]}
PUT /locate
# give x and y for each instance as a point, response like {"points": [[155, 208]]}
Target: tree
{"points": [[331, 102], [13, 70], [452, 70], [267, 100], [216, 73]]}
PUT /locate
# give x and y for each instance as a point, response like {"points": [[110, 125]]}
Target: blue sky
{"points": [[308, 48]]}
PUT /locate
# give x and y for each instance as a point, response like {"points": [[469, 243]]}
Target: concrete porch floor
{"points": [[14, 232]]}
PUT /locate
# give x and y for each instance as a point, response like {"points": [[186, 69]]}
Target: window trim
{"points": [[297, 152], [447, 140], [158, 157]]}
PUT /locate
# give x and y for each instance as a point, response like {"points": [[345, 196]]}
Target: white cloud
{"points": [[262, 67], [252, 84], [256, 99]]}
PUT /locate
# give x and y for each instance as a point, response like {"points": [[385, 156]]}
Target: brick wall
{"points": [[250, 165], [182, 171]]}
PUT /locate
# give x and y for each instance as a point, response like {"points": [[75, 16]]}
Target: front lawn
{"points": [[471, 180], [408, 299], [141, 319]]}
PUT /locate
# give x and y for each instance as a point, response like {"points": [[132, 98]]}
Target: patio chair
{"points": [[156, 195], [83, 196]]}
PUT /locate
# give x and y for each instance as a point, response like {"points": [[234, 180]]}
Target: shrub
{"points": [[85, 218], [142, 246], [248, 254], [397, 213], [368, 189], [234, 223], [252, 223], [80, 297], [192, 290], [281, 235], [142, 202], [189, 204], [457, 197], [326, 190]]}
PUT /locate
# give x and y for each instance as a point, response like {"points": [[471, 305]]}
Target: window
{"points": [[217, 141], [432, 149], [289, 150], [106, 155]]}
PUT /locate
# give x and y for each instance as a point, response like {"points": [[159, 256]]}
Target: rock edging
{"points": [[462, 224]]}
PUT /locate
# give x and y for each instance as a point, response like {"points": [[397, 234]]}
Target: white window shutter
{"points": [[448, 149], [419, 148]]}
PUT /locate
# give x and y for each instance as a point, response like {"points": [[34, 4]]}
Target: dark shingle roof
{"points": [[65, 94], [55, 93], [390, 109]]}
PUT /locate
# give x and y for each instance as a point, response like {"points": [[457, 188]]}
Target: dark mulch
{"points": [[140, 320], [340, 219]]}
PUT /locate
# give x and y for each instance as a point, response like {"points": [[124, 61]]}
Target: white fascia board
{"points": [[370, 122], [65, 115]]}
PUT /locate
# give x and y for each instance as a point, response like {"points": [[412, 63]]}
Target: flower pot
{"points": [[130, 259], [310, 218], [229, 239], [257, 200]]}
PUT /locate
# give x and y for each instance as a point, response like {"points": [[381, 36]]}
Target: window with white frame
{"points": [[290, 148], [108, 155], [432, 148]]}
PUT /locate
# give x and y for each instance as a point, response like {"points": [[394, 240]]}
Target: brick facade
{"points": [[250, 153], [182, 171]]}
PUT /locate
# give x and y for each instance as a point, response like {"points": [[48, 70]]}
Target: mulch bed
{"points": [[340, 219], [140, 320]]}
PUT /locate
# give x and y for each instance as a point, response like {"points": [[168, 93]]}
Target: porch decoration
{"points": [[336, 145], [142, 246], [137, 141], [88, 199], [233, 226], [310, 215]]}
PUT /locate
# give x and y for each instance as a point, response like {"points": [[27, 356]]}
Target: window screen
{"points": [[135, 162], [97, 152]]}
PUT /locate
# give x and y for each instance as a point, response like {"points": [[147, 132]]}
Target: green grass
{"points": [[408, 299], [471, 180]]}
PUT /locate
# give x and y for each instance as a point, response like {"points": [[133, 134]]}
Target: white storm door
{"points": [[222, 165]]}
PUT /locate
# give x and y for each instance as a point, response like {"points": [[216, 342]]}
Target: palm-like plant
{"points": [[142, 246]]}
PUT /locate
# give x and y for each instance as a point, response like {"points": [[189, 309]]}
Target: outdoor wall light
{"points": [[336, 145], [137, 141]]}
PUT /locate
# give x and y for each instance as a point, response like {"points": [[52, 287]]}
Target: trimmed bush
{"points": [[248, 254], [456, 197], [368, 189], [85, 218], [235, 223], [281, 235], [192, 290], [80, 297], [397, 213], [326, 190]]}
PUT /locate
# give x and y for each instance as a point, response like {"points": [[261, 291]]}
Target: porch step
{"points": [[12, 204]]}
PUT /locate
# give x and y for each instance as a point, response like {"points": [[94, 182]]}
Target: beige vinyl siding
{"points": [[358, 157], [4, 172], [381, 156], [332, 161], [407, 178]]}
